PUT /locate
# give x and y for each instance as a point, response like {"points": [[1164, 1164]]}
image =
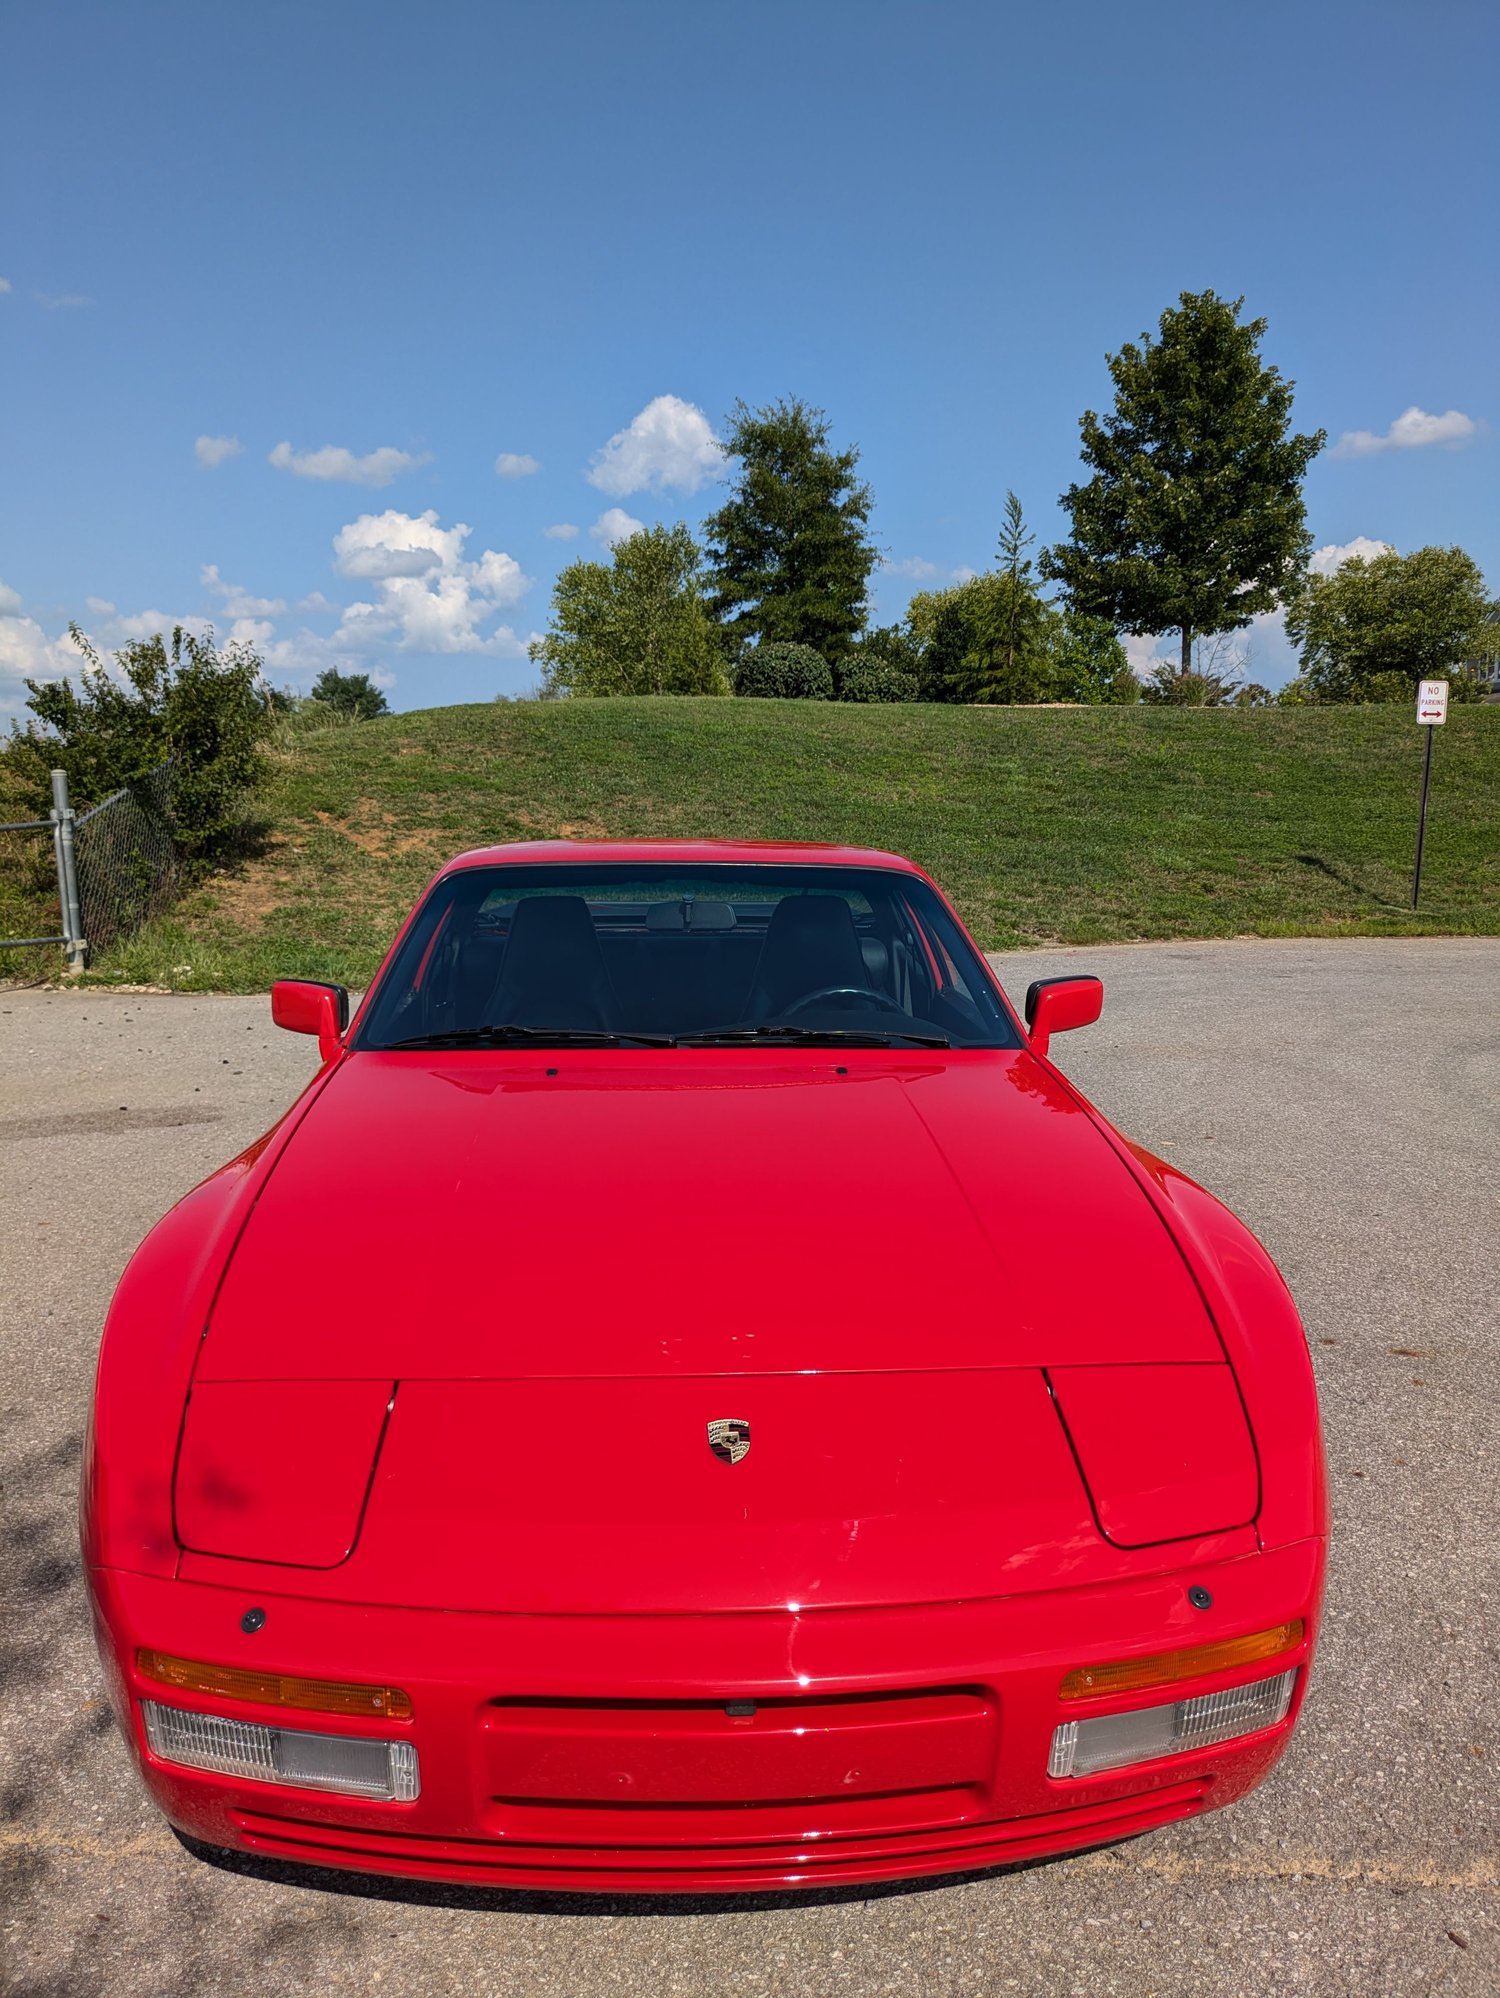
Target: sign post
{"points": [[1432, 712]]}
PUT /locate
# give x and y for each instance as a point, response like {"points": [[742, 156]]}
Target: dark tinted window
{"points": [[686, 952]]}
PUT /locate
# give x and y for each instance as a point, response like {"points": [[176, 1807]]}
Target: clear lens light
{"points": [[1085, 1747], [352, 1765]]}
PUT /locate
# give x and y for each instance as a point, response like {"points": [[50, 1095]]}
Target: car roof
{"points": [[742, 852]]}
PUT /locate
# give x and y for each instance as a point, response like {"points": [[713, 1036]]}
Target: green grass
{"points": [[1066, 825]]}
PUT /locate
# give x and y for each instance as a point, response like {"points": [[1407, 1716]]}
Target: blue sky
{"points": [[364, 250]]}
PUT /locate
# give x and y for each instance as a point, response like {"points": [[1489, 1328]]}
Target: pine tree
{"points": [[788, 553]]}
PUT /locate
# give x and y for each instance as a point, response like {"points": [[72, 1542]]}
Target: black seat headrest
{"points": [[552, 974]]}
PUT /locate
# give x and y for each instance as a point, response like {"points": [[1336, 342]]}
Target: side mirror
{"points": [[303, 1007], [1053, 1005]]}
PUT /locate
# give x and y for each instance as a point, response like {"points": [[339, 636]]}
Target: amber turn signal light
{"points": [[1165, 1668], [274, 1689]]}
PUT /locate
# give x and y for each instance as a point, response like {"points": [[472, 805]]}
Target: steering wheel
{"points": [[839, 992]]}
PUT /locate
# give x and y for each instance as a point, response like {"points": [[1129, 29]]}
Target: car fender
{"points": [[1263, 1337], [148, 1349]]}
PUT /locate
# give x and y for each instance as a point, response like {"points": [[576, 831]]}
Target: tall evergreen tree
{"points": [[788, 554], [1193, 520], [1021, 598]]}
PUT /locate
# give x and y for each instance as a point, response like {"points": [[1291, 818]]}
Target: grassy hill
{"points": [[1046, 825]]}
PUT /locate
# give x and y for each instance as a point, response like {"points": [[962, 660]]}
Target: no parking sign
{"points": [[1432, 712], [1432, 702]]}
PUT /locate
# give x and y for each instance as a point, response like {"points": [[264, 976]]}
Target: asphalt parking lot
{"points": [[1342, 1096]]}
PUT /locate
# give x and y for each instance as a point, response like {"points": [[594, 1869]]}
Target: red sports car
{"points": [[689, 1397]]}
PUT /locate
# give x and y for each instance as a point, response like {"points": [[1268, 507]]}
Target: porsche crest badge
{"points": [[729, 1438]]}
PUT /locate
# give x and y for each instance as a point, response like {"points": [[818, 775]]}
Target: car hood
{"points": [[478, 1216], [469, 1348]]}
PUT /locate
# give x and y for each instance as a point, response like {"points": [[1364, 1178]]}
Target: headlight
{"points": [[1083, 1748], [353, 1765]]}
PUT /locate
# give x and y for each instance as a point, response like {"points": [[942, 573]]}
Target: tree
{"points": [[636, 624], [986, 639], [1019, 620], [207, 709], [1373, 629], [789, 557], [1193, 520], [1088, 661], [354, 695]]}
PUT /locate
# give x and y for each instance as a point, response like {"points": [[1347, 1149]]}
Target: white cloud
{"points": [[375, 468], [431, 599], [211, 451], [147, 623], [615, 524], [561, 530], [499, 576], [397, 544], [10, 600], [315, 602], [1145, 651], [1329, 559], [516, 465], [915, 568], [27, 653], [1413, 429], [256, 631], [61, 301], [4, 286], [669, 444], [238, 603], [100, 606]]}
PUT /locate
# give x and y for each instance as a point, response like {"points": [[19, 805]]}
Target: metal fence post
{"points": [[67, 873]]}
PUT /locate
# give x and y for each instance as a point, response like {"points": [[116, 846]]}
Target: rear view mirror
{"points": [[1053, 1005], [303, 1007]]}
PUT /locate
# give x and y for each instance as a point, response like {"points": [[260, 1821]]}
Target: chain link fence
{"points": [[100, 875], [129, 866]]}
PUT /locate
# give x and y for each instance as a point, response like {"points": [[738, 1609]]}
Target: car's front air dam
{"points": [[599, 1753]]}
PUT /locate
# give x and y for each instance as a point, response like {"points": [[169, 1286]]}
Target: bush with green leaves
{"points": [[205, 707], [1373, 629], [874, 679], [884, 665], [1199, 687], [636, 624], [1089, 664], [777, 672], [353, 696]]}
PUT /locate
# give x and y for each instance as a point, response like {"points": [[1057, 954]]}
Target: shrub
{"points": [[636, 624], [874, 679], [353, 695], [207, 709], [783, 673]]}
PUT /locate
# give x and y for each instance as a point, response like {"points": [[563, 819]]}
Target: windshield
{"points": [[622, 953]]}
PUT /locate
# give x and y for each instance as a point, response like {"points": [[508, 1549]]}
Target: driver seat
{"points": [[810, 942], [553, 974]]}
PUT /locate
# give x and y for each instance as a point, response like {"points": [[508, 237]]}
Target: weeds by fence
{"points": [[85, 880], [129, 867]]}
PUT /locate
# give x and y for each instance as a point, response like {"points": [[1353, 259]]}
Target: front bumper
{"points": [[596, 1752]]}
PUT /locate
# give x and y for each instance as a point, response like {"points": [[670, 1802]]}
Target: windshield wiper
{"points": [[551, 1037], [816, 1037]]}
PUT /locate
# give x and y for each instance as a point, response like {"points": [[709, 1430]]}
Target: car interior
{"points": [[606, 957]]}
